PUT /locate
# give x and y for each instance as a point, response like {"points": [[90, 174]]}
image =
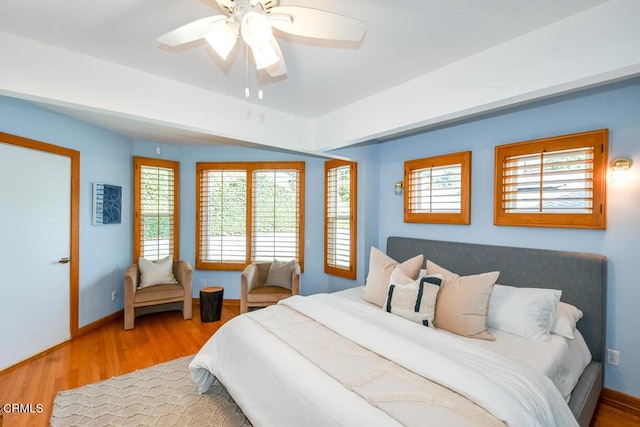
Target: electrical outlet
{"points": [[307, 244], [203, 283], [613, 357], [114, 294]]}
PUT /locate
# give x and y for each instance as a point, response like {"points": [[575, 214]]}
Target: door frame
{"points": [[74, 241]]}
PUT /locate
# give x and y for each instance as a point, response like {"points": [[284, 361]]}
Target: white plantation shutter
{"points": [[340, 224], [549, 182], [223, 213], [438, 189], [553, 182], [155, 206], [275, 215]]}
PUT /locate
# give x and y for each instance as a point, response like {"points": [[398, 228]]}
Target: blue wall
{"points": [[106, 251], [617, 108]]}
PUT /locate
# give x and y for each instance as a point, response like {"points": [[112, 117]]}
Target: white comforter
{"points": [[254, 364]]}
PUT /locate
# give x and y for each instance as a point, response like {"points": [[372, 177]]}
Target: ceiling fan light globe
{"points": [[222, 39], [264, 56], [255, 29]]}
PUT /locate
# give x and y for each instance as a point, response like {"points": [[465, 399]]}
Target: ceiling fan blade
{"points": [[315, 23], [279, 68], [192, 31]]}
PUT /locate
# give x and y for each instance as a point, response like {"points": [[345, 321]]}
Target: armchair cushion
{"points": [[156, 272], [280, 274], [268, 294], [158, 292]]}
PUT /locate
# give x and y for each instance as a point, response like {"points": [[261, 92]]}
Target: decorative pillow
{"points": [[158, 272], [566, 318], [463, 302], [280, 274], [526, 312], [414, 300], [380, 268]]}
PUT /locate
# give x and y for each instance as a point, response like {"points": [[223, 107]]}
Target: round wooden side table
{"points": [[211, 303]]}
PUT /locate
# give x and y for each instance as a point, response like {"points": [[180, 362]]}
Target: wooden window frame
{"points": [[350, 272], [138, 162], [598, 140], [464, 216], [249, 167]]}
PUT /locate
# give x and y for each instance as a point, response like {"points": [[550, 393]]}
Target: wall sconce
{"points": [[399, 188], [620, 169]]}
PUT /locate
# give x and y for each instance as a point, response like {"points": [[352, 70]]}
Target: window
{"points": [[552, 182], [249, 212], [340, 183], [438, 189], [155, 200]]}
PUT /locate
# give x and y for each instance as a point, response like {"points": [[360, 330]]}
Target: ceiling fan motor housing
{"points": [[238, 8]]}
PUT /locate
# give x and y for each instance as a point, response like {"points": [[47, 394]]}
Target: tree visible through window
{"points": [[249, 212], [340, 218], [155, 208]]}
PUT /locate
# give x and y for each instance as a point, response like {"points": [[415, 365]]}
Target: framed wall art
{"points": [[107, 204]]}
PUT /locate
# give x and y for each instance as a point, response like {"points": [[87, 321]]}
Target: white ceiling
{"points": [[404, 40]]}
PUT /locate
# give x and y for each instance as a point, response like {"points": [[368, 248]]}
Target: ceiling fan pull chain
{"points": [[260, 93], [246, 68]]}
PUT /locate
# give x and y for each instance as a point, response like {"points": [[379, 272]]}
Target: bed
{"points": [[336, 360]]}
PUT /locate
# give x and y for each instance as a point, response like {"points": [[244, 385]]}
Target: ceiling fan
{"points": [[253, 20]]}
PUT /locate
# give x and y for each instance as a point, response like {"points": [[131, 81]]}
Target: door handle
{"points": [[64, 260]]}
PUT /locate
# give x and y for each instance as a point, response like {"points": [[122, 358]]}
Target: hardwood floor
{"points": [[110, 351], [101, 354]]}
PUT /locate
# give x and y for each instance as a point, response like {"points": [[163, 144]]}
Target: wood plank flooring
{"points": [[110, 351]]}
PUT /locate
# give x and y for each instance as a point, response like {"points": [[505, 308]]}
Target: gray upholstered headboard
{"points": [[580, 276]]}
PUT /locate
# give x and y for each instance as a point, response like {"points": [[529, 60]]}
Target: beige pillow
{"points": [[280, 274], [158, 272], [463, 302], [380, 268]]}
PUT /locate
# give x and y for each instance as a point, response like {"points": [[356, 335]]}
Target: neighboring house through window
{"points": [[553, 182]]}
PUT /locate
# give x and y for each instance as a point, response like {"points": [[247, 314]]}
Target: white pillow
{"points": [[566, 318], [526, 312], [414, 300], [156, 272]]}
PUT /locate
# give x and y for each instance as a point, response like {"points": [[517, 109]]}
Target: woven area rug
{"points": [[162, 395]]}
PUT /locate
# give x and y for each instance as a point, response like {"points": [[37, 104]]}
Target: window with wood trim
{"points": [[438, 189], [553, 182], [340, 224], [156, 208], [249, 212]]}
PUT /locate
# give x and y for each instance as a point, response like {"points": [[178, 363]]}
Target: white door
{"points": [[35, 200]]}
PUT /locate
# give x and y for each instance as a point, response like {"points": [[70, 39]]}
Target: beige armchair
{"points": [[254, 293], [153, 299]]}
